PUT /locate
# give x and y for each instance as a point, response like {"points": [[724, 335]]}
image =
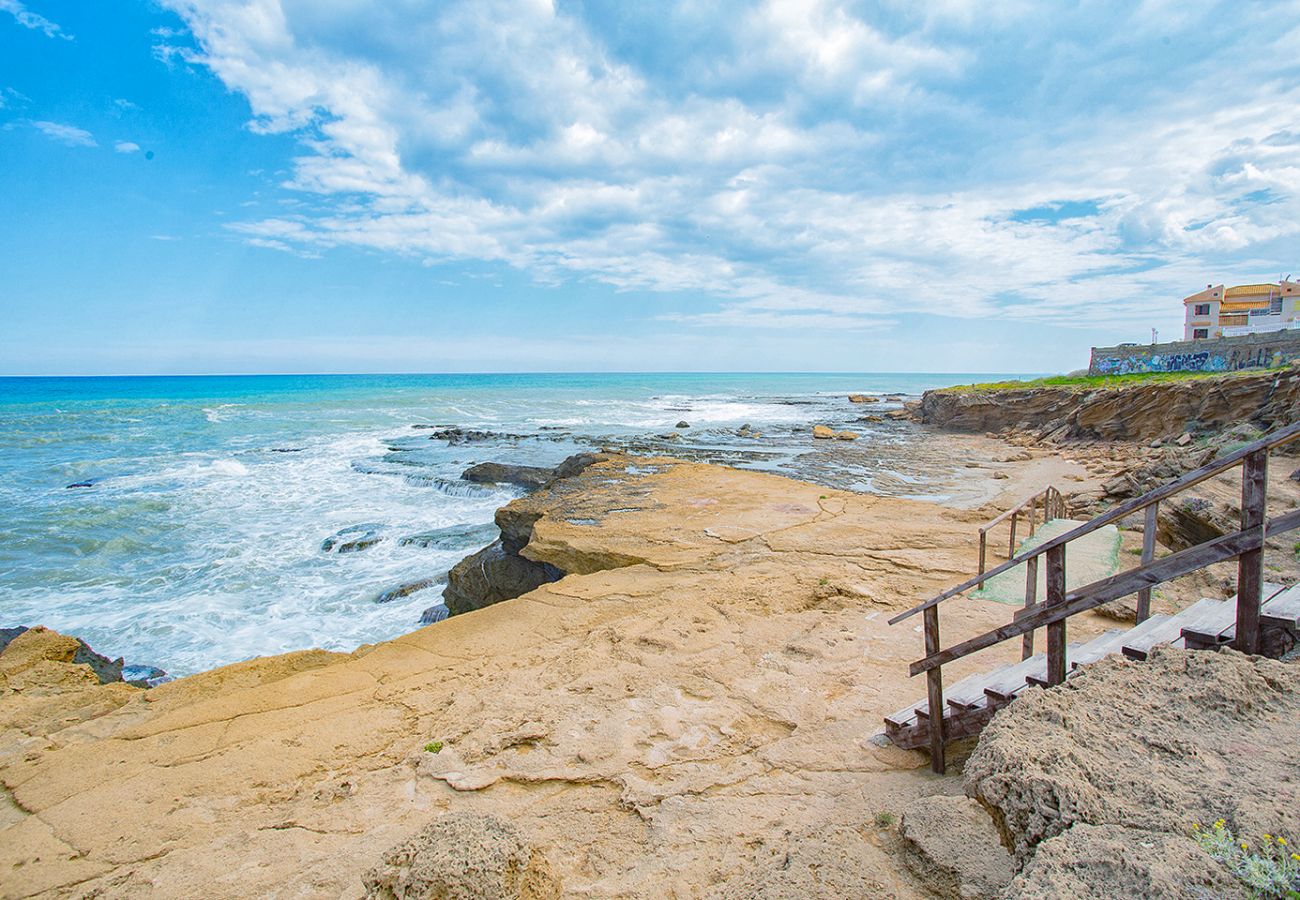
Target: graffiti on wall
{"points": [[1219, 356]]}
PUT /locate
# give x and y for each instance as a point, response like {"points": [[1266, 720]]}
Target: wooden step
{"points": [[1205, 621], [1222, 629], [1039, 679], [969, 693], [1012, 680], [1159, 629], [904, 717], [1283, 607], [1100, 646]]}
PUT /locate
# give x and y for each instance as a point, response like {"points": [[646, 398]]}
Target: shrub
{"points": [[1270, 872], [433, 747], [884, 819]]}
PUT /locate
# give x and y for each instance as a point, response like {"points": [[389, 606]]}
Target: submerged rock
{"points": [[353, 539], [453, 537], [470, 436], [435, 613], [823, 432], [683, 424], [463, 855], [409, 588]]}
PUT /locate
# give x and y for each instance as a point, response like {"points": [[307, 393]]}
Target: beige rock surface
{"points": [[689, 713], [1186, 737], [954, 847]]}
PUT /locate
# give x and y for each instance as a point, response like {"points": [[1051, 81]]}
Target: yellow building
{"points": [[1244, 309]]}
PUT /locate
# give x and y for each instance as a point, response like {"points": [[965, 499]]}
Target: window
{"points": [[1202, 309], [1199, 333], [1275, 306]]}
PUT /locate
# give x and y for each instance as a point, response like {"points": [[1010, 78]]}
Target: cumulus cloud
{"points": [[126, 147], [28, 19], [66, 134], [816, 164]]}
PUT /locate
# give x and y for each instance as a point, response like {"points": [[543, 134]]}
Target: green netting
{"points": [[1088, 559]]}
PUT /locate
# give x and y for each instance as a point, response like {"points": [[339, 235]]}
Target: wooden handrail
{"points": [[1053, 506], [1196, 476], [1107, 589]]}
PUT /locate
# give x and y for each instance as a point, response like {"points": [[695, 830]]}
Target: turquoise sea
{"points": [[193, 536]]}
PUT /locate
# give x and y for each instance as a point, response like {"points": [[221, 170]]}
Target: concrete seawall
{"points": [[1229, 354]]}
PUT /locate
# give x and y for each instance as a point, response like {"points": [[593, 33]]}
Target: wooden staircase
{"points": [[1206, 624], [1262, 618]]}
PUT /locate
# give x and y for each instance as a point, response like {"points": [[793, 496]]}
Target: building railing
{"points": [[1238, 330], [1246, 545]]}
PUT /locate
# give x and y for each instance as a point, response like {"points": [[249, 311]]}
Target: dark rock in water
{"points": [[434, 614], [144, 676], [683, 424], [501, 473], [469, 436], [89, 482], [492, 575], [406, 590], [105, 669], [286, 449], [353, 539], [453, 537]]}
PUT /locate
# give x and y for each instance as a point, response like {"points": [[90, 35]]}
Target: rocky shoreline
{"points": [[662, 678]]}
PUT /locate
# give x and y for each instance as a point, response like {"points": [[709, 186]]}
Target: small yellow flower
{"points": [[1267, 836], [1244, 846], [1282, 841], [1296, 856]]}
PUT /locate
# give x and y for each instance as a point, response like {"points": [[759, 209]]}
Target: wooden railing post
{"points": [[934, 691], [1250, 565], [1033, 513], [1056, 630], [1031, 597], [1011, 545], [984, 542], [1148, 554]]}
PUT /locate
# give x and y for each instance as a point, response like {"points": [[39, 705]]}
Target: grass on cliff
{"points": [[1091, 382]]}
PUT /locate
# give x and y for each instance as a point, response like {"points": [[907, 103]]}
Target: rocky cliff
{"points": [[1136, 412]]}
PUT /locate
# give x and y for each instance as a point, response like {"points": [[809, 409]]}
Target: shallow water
{"points": [[197, 541]]}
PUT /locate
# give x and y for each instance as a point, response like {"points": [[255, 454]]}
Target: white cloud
{"points": [[126, 147], [29, 19], [820, 163], [66, 134]]}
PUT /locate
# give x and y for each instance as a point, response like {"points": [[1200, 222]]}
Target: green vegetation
{"points": [[1270, 872], [823, 581], [884, 819], [433, 747], [1090, 382]]}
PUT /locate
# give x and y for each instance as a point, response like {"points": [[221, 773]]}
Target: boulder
{"points": [[823, 432], [463, 856], [846, 435], [683, 424], [494, 574], [1186, 736], [502, 473], [952, 846], [1188, 520], [1114, 861], [577, 463], [863, 398], [353, 539], [42, 643]]}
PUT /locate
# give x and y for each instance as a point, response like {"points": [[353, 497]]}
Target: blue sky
{"points": [[394, 185]]}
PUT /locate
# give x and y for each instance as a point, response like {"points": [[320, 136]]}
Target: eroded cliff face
{"points": [[1139, 412]]}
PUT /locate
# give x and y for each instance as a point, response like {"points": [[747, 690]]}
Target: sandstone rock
{"points": [[831, 861], [1000, 476], [1186, 521], [1138, 412], [1187, 736], [502, 473], [491, 575], [870, 419], [953, 847], [846, 435], [578, 463], [823, 432], [353, 539], [1113, 861], [65, 648], [463, 856], [863, 398], [1184, 439]]}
